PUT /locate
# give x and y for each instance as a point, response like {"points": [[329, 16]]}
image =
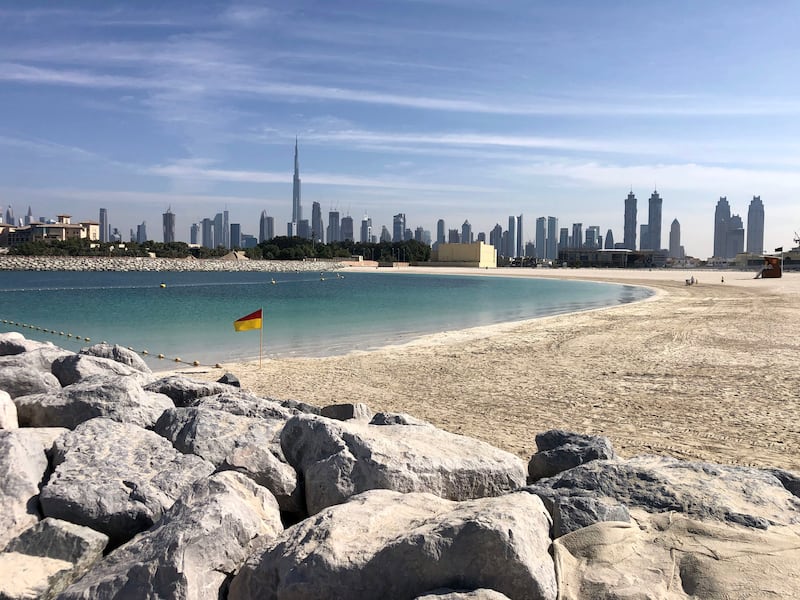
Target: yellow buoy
{"points": [[163, 285], [196, 363], [177, 359], [60, 333], [87, 339], [274, 282], [160, 356], [144, 351], [217, 366]]}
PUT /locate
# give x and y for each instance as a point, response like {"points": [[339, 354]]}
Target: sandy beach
{"points": [[708, 371]]}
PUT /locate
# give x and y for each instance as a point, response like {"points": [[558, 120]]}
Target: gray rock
{"points": [[121, 399], [338, 459], [8, 412], [12, 343], [23, 466], [116, 478], [345, 412], [39, 358], [193, 550], [573, 512], [22, 381], [789, 480], [245, 444], [447, 594], [384, 544], [119, 354], [738, 495], [25, 577], [560, 450], [296, 407], [230, 379], [78, 367], [244, 404], [184, 390], [53, 539], [384, 418]]}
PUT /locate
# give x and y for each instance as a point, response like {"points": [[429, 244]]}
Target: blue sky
{"points": [[456, 109]]}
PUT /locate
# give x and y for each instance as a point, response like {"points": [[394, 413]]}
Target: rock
{"points": [[121, 399], [739, 495], [23, 466], [338, 459], [245, 444], [194, 549], [789, 480], [230, 379], [8, 412], [39, 358], [21, 381], [672, 557], [300, 407], [446, 594], [116, 478], [77, 367], [383, 544], [245, 404], [560, 450], [183, 390], [384, 418], [573, 512], [119, 354], [25, 577], [79, 547], [345, 412], [11, 343]]}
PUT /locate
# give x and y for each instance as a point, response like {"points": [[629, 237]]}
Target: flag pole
{"points": [[261, 339]]}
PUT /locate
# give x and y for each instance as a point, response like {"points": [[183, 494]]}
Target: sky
{"points": [[456, 109]]}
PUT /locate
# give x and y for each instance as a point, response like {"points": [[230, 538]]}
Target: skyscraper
{"points": [[141, 233], [466, 233], [520, 245], [366, 230], [511, 240], [541, 238], [593, 236], [333, 233], [644, 231], [104, 231], [608, 243], [226, 230], [629, 230], [194, 233], [347, 229], [398, 227], [28, 217], [654, 221], [496, 238], [722, 217], [440, 239], [317, 232], [563, 238], [552, 238], [297, 209], [168, 221], [675, 240], [577, 235], [385, 235], [236, 235], [207, 233], [10, 216], [734, 243], [266, 227], [755, 226]]}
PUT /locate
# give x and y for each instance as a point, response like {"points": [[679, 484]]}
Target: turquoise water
{"points": [[305, 314]]}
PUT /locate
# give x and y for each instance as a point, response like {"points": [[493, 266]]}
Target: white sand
{"points": [[708, 371]]}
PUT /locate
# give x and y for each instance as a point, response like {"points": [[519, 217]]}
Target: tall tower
{"points": [[608, 241], [168, 220], [577, 235], [334, 226], [541, 238], [226, 229], [466, 233], [316, 223], [654, 222], [722, 217], [734, 242], [297, 209], [755, 226], [552, 238], [675, 240], [266, 227], [629, 231], [511, 241], [520, 250], [366, 230], [398, 227], [440, 239], [104, 225]]}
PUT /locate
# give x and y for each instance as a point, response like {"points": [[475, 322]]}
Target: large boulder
{"points": [[672, 557], [57, 542], [193, 550], [116, 478], [77, 367], [339, 459], [23, 466], [13, 343], [559, 450], [38, 358], [571, 512], [245, 404], [245, 444], [119, 354], [8, 412], [22, 381], [345, 412], [183, 391], [479, 594], [383, 544], [121, 399], [739, 495], [24, 577]]}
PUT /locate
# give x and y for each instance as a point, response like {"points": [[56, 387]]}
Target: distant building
{"points": [[476, 254], [440, 238], [266, 227], [317, 233], [654, 221], [466, 233], [541, 238], [563, 239], [236, 235], [511, 238], [398, 227], [386, 237], [297, 209], [551, 252], [644, 232], [366, 230], [629, 229], [755, 226], [735, 237], [608, 243], [577, 235], [334, 227], [675, 248], [347, 229], [194, 234], [168, 226], [419, 234], [728, 231], [519, 251], [496, 236], [593, 236], [207, 233], [104, 229], [141, 233], [453, 237], [303, 229]]}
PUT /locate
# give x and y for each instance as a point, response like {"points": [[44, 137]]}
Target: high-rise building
{"points": [[207, 233], [398, 227], [541, 238], [236, 235], [675, 248], [654, 221], [141, 233], [593, 236], [551, 252], [734, 243], [366, 230], [496, 238], [303, 229], [347, 229], [563, 239], [755, 226], [577, 235], [266, 227], [419, 234], [440, 239], [333, 234], [194, 233], [10, 216], [226, 230], [317, 232], [608, 243], [104, 230], [511, 238], [519, 249], [644, 231], [297, 209], [482, 237], [28, 217], [168, 222], [386, 237], [629, 229], [466, 233], [722, 217], [219, 234], [453, 237]]}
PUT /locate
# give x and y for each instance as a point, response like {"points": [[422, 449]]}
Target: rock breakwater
{"points": [[116, 482], [95, 263]]}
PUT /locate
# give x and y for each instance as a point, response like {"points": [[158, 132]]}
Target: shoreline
{"points": [[703, 372]]}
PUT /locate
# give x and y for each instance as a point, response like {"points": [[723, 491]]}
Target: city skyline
{"points": [[474, 112]]}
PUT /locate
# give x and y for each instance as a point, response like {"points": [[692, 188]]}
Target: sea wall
{"points": [[97, 263], [117, 482]]}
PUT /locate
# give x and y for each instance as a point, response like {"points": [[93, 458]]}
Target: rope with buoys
{"points": [[77, 338]]}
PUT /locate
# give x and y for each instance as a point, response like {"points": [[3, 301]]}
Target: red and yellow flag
{"points": [[251, 321]]}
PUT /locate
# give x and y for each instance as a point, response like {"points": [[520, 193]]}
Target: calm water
{"points": [[192, 317]]}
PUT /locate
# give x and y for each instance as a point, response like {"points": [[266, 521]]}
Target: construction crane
{"points": [[797, 239]]}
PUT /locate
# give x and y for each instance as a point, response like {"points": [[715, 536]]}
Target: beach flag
{"points": [[779, 249], [251, 321]]}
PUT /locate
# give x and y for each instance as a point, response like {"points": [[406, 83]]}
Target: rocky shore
{"points": [[119, 483], [97, 263]]}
